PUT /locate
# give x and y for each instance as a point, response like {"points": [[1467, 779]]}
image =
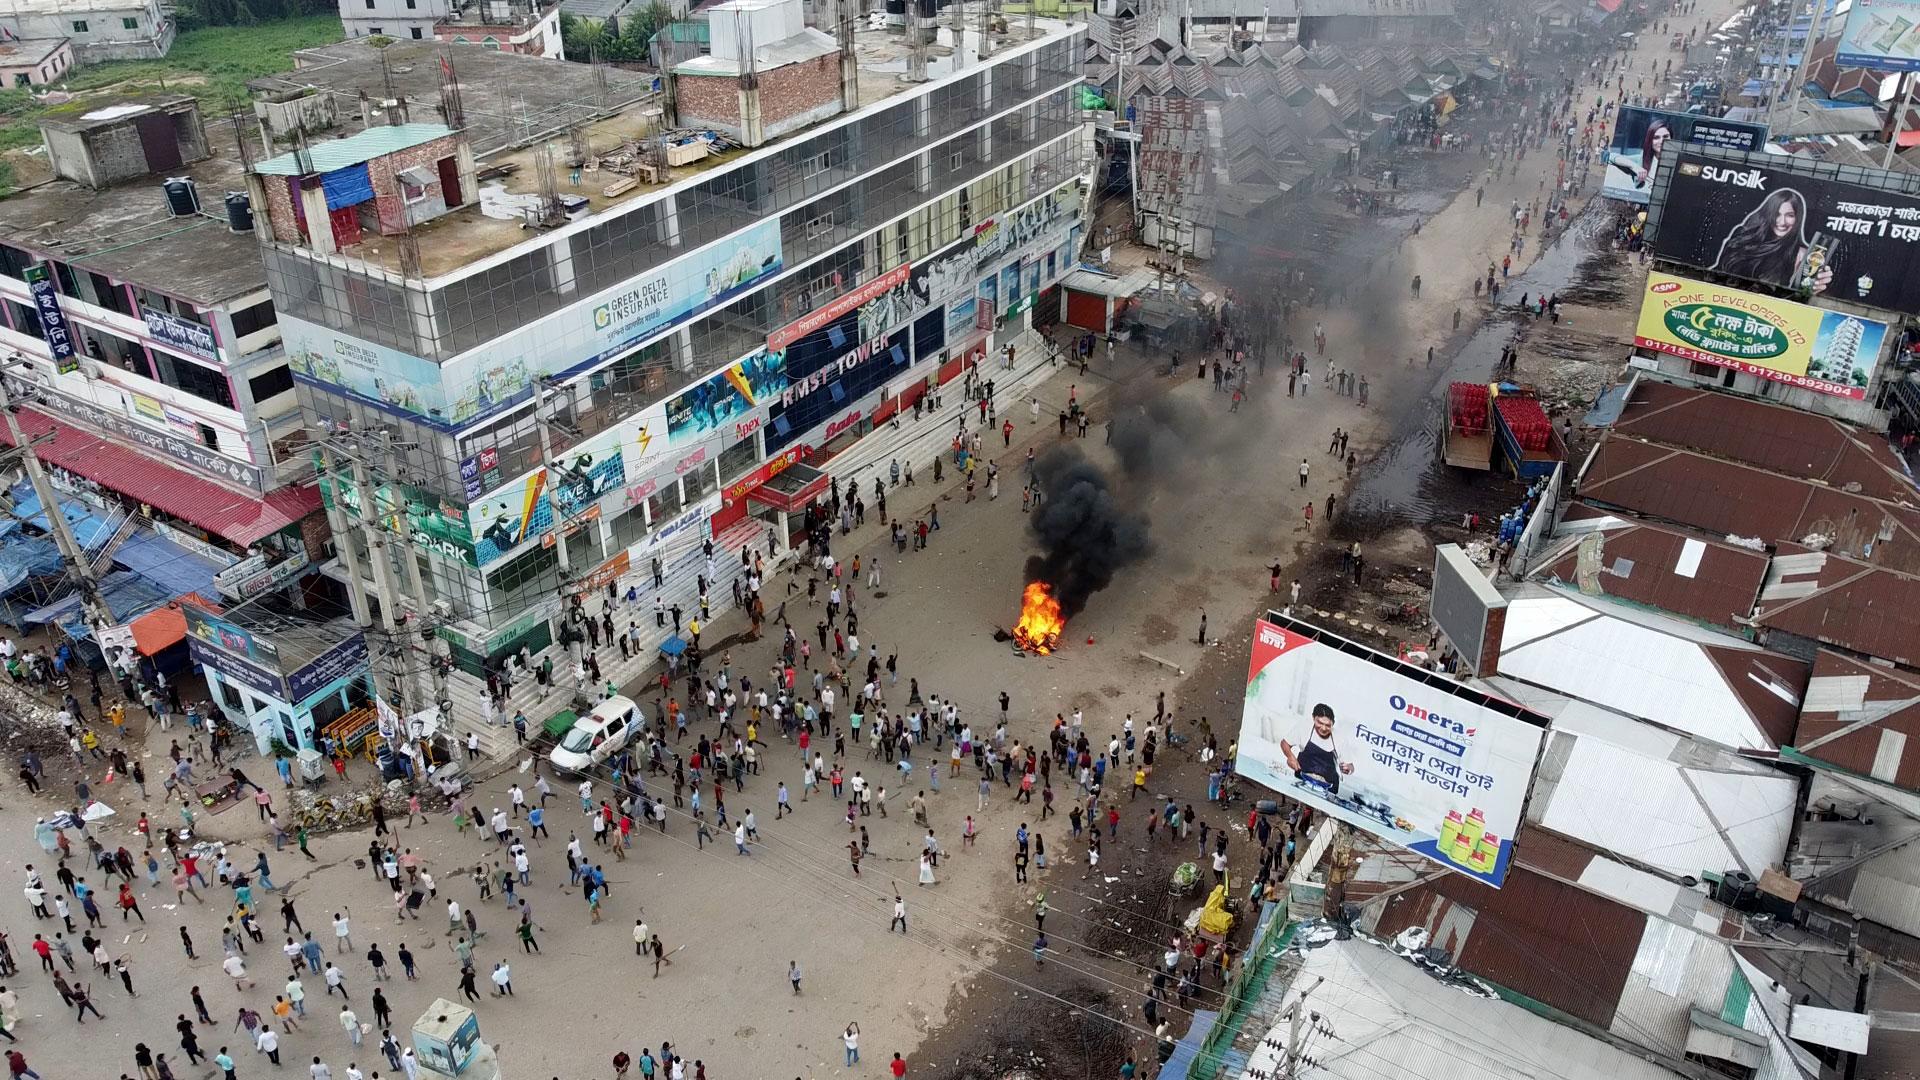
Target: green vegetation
{"points": [[212, 64], [199, 14], [584, 40]]}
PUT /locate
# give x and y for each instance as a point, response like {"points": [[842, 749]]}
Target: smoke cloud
{"points": [[1085, 535]]}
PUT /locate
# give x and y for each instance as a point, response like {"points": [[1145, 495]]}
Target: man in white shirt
{"points": [[319, 1070]]}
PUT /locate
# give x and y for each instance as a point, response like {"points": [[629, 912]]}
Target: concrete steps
{"points": [[683, 562], [681, 572]]}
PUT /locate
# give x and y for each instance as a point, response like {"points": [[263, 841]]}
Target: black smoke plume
{"points": [[1085, 535]]}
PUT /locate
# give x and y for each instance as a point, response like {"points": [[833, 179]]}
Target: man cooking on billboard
{"points": [[1318, 759]]}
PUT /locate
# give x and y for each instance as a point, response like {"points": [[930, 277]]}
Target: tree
{"points": [[581, 40]]}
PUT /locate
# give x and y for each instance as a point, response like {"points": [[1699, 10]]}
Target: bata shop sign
{"points": [[841, 425]]}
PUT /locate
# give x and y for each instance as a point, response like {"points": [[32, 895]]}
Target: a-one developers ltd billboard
{"points": [[1400, 751]]}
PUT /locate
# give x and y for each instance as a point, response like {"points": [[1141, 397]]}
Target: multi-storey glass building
{"points": [[578, 386]]}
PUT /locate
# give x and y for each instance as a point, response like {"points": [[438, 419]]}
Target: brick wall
{"points": [[790, 97], [314, 533], [386, 188], [789, 91], [280, 213], [709, 99]]}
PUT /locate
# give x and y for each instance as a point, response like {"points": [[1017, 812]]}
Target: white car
{"points": [[599, 735]]}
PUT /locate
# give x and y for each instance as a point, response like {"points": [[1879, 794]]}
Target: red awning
{"points": [[1909, 137], [240, 516]]}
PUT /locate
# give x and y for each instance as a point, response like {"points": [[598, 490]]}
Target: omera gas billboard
{"points": [[1830, 352], [1400, 751]]}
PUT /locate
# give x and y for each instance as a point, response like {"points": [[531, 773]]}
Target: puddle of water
{"points": [[1407, 484]]}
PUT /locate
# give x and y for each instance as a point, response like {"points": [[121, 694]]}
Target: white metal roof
{"points": [[1646, 666], [1694, 809], [1390, 1018], [1837, 1028]]}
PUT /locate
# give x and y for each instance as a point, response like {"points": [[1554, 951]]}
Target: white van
{"points": [[599, 735]]}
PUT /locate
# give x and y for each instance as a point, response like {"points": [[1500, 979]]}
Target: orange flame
{"points": [[1040, 620]]}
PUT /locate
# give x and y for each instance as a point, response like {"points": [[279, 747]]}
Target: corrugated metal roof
{"points": [[1776, 438], [1725, 498], [1659, 566], [1695, 810], [1549, 940], [1652, 667], [1862, 717], [242, 517], [359, 147], [1841, 601]]}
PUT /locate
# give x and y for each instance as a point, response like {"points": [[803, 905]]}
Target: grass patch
{"points": [[213, 64]]}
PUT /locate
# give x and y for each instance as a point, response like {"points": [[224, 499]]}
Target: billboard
{"points": [[210, 629], [1391, 748], [727, 396], [1744, 217], [1633, 157], [349, 657], [581, 336], [1883, 34], [1175, 175], [943, 276], [434, 524], [532, 506], [1468, 609], [1830, 352], [53, 321]]}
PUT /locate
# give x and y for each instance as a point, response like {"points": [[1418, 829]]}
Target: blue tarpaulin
{"points": [[25, 554], [347, 187], [28, 556], [166, 563], [27, 509], [126, 594]]}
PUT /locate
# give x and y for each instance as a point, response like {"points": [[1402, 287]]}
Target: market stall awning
{"points": [[164, 627], [124, 592], [153, 556], [240, 516]]}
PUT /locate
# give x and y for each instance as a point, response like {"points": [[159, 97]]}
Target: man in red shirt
{"points": [[899, 1066]]}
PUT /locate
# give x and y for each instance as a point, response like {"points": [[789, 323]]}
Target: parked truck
{"points": [[1529, 446], [1466, 434]]}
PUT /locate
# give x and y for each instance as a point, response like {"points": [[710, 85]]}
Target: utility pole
{"points": [[79, 567], [425, 620], [1298, 1033], [397, 669], [338, 522], [541, 386]]}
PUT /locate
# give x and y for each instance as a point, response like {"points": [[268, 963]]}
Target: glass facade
{"points": [[854, 201]]}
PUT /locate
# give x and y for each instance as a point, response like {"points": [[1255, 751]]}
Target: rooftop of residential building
{"points": [[506, 98], [509, 103], [126, 232]]}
